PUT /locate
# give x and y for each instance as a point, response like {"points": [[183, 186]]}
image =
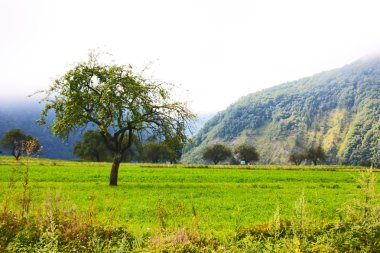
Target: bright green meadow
{"points": [[148, 195]]}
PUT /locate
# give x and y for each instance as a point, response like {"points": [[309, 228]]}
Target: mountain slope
{"points": [[338, 109]]}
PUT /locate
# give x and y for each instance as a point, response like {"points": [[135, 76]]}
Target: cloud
{"points": [[218, 50]]}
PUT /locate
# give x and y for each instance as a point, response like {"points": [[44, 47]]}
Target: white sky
{"points": [[216, 50]]}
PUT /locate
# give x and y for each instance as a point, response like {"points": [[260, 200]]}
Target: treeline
{"points": [[92, 147], [24, 114], [243, 154], [154, 149], [247, 154]]}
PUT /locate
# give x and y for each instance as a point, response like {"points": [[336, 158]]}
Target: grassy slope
{"points": [[220, 195]]}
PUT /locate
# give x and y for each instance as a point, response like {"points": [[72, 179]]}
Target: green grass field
{"points": [[223, 197]]}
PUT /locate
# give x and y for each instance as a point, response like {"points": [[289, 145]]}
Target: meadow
{"points": [[225, 200]]}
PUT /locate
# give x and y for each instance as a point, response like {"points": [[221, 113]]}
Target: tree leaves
{"points": [[116, 99]]}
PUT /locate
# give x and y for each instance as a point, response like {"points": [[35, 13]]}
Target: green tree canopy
{"points": [[119, 101], [175, 143], [156, 152], [217, 153], [316, 155], [247, 153], [92, 147]]}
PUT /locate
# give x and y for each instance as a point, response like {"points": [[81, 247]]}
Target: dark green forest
{"points": [[338, 110]]}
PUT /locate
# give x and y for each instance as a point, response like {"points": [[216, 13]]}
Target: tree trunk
{"points": [[16, 153], [115, 169]]}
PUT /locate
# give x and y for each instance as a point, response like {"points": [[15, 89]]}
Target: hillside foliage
{"points": [[338, 110]]}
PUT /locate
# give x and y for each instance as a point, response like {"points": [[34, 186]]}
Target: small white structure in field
{"points": [[242, 162]]}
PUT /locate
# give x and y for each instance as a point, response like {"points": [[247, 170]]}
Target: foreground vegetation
{"points": [[59, 206]]}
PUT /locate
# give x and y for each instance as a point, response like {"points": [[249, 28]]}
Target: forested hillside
{"points": [[337, 109]]}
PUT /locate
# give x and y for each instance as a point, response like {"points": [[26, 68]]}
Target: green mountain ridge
{"points": [[337, 109]]}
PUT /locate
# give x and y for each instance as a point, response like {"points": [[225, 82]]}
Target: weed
{"points": [[161, 214], [300, 221], [367, 182], [9, 191], [275, 228], [91, 210], [26, 194], [238, 221]]}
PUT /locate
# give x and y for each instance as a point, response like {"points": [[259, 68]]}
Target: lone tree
{"points": [[92, 147], [247, 153], [119, 101], [316, 155], [217, 153], [15, 140]]}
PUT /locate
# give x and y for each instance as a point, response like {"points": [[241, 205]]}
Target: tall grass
{"points": [[56, 226]]}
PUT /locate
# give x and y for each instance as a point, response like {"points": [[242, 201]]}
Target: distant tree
{"points": [[15, 140], [31, 147], [92, 147], [297, 158], [134, 153], [247, 153], [167, 145], [217, 153], [175, 143], [156, 152], [316, 155], [119, 101]]}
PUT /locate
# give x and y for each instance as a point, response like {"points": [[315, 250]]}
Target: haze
{"points": [[217, 51]]}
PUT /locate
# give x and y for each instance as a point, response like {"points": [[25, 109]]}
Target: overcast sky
{"points": [[216, 50]]}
